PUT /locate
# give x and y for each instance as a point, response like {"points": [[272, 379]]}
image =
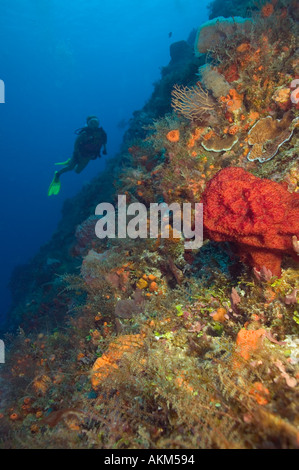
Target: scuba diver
{"points": [[88, 144]]}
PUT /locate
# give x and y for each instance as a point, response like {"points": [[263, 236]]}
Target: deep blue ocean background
{"points": [[62, 60]]}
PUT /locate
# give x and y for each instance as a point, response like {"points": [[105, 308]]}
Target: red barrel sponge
{"points": [[259, 215]]}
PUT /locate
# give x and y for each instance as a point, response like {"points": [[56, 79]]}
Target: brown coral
{"points": [[220, 144], [267, 136]]}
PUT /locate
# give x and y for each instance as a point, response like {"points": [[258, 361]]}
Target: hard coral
{"points": [[219, 144], [267, 136], [259, 215]]}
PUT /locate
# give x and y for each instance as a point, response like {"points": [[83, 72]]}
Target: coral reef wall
{"points": [[34, 283], [152, 342]]}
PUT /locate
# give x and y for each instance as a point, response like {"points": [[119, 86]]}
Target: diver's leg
{"points": [[70, 166], [81, 165], [55, 184]]}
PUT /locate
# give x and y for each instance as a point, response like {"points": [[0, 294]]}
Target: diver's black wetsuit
{"points": [[87, 147]]}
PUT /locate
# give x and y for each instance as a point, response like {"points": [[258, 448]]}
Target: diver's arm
{"points": [[105, 143]]}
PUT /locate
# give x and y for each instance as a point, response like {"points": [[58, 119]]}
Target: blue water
{"points": [[62, 60]]}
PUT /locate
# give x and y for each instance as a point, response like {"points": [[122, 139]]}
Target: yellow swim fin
{"points": [[55, 185]]}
